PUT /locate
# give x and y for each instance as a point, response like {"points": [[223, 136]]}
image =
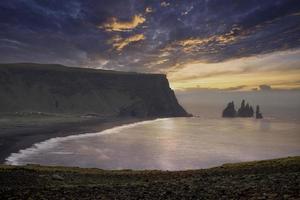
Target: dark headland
{"points": [[41, 101]]}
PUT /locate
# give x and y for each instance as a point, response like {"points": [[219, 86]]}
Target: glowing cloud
{"points": [[120, 43], [194, 44], [115, 25], [194, 41], [207, 44]]}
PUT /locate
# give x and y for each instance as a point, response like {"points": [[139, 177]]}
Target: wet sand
{"points": [[23, 133]]}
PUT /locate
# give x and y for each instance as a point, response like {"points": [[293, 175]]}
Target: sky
{"points": [[199, 44]]}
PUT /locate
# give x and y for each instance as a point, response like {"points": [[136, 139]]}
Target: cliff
{"points": [[27, 87]]}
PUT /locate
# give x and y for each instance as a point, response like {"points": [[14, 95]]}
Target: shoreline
{"points": [[14, 139], [65, 130]]}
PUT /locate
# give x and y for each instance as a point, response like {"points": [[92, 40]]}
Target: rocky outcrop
{"points": [[258, 114], [246, 110], [59, 89], [229, 111]]}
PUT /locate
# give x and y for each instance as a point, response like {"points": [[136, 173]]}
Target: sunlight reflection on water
{"points": [[170, 144]]}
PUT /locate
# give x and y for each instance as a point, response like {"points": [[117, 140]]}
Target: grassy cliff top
{"points": [[63, 68], [271, 179]]}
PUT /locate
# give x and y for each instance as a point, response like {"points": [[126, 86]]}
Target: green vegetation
{"points": [[27, 119], [272, 179]]}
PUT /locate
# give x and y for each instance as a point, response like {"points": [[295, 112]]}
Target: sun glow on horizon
{"points": [[280, 70]]}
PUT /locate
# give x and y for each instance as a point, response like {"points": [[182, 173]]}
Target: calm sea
{"points": [[179, 143]]}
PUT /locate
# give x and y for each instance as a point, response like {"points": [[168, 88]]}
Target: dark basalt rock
{"points": [[137, 109], [246, 110], [229, 111], [258, 114]]}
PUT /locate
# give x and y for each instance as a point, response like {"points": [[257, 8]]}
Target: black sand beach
{"points": [[20, 132]]}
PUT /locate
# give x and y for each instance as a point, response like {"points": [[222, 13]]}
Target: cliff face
{"points": [[60, 89]]}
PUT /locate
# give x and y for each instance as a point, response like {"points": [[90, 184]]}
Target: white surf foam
{"points": [[15, 158]]}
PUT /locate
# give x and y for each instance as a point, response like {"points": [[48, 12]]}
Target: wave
{"points": [[15, 158]]}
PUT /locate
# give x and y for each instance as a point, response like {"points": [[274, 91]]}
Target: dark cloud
{"points": [[265, 88], [69, 32], [203, 89]]}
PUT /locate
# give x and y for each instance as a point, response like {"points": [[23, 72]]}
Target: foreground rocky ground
{"points": [[272, 179]]}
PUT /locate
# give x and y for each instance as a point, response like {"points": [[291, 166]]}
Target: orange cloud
{"points": [[194, 41], [192, 44], [120, 43], [115, 25], [195, 44]]}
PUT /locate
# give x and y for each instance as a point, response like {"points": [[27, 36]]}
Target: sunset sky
{"points": [[199, 44]]}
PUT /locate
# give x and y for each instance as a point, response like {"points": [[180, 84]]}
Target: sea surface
{"points": [[179, 143]]}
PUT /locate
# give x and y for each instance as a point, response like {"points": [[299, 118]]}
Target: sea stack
{"points": [[229, 111], [245, 110], [258, 114]]}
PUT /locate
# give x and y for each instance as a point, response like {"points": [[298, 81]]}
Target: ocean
{"points": [[204, 141]]}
